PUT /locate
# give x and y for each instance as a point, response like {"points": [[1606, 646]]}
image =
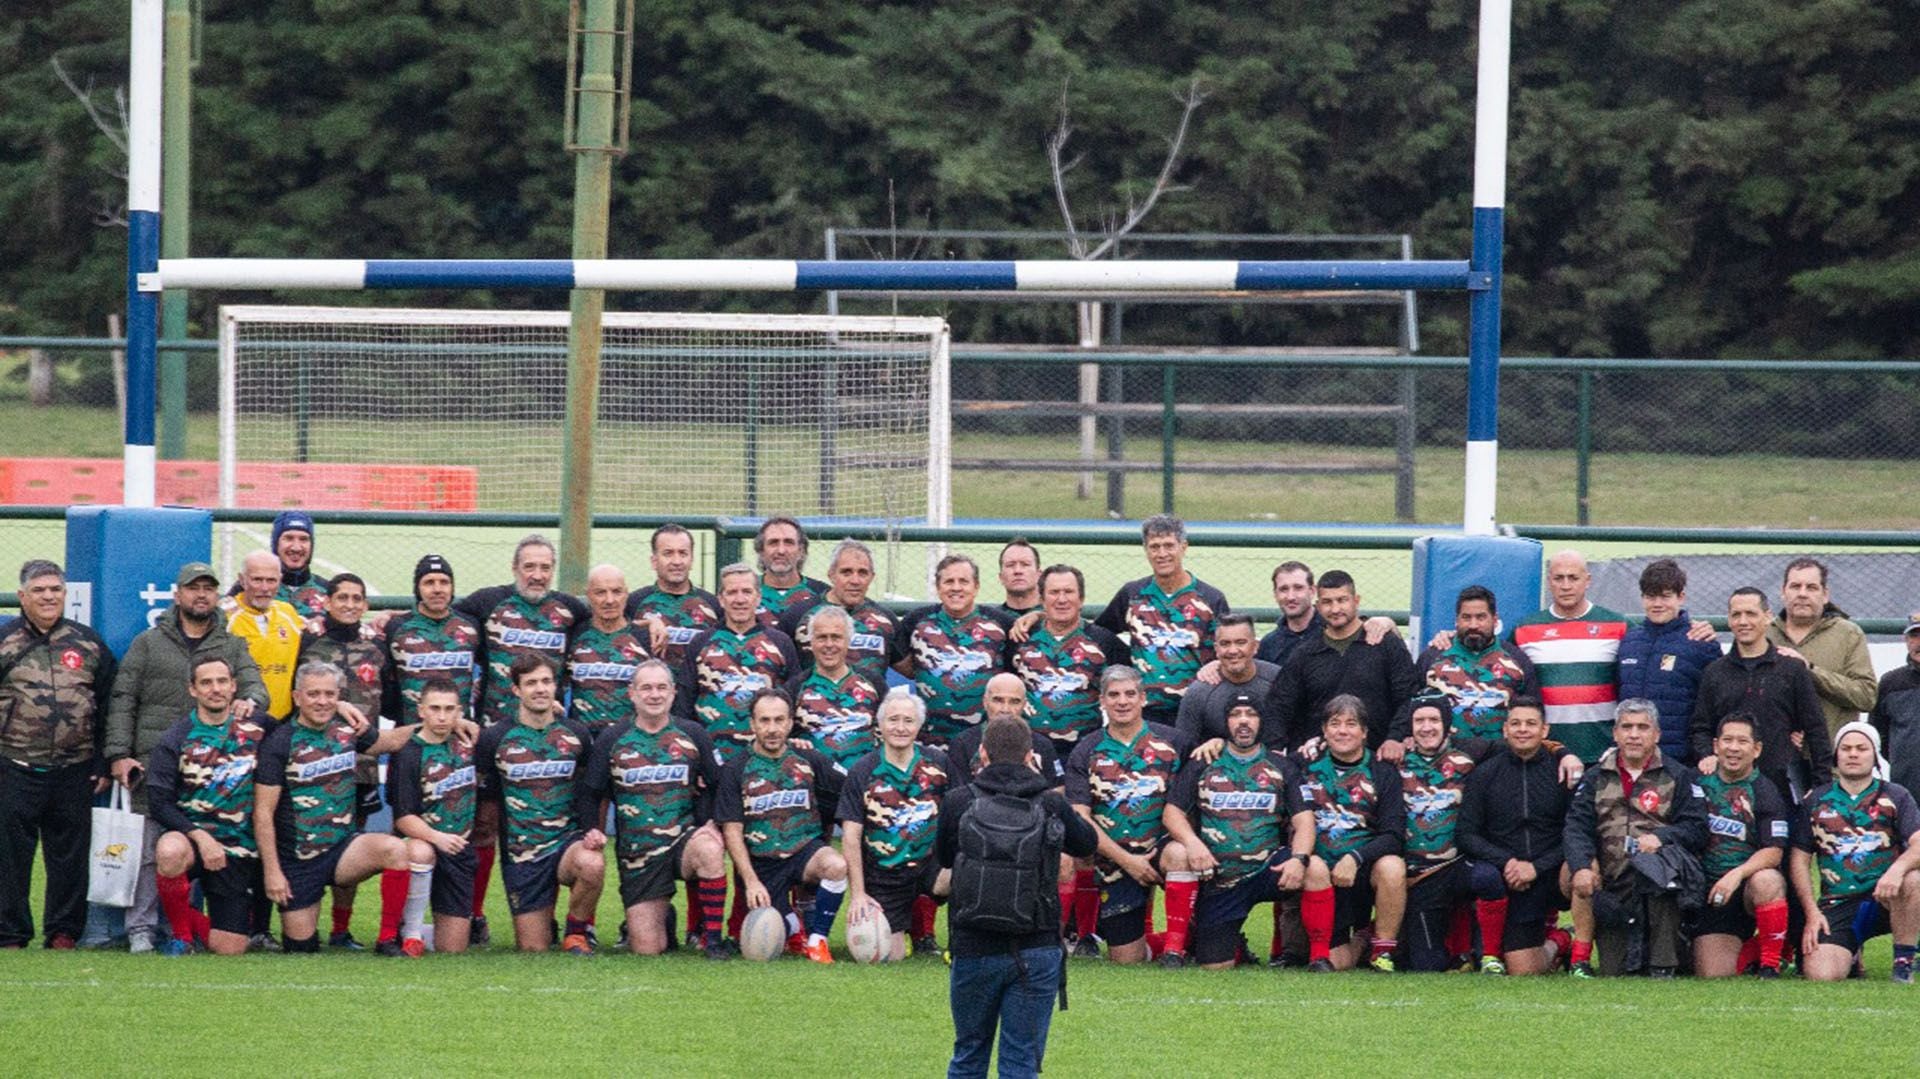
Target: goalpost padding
{"points": [[826, 417]]}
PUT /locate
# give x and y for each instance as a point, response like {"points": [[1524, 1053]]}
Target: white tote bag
{"points": [[118, 834]]}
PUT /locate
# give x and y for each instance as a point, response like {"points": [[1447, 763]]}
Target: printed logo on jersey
{"points": [[459, 780], [544, 640], [324, 767], [439, 661]]}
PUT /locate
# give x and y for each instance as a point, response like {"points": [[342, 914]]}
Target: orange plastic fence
{"points": [[69, 481]]}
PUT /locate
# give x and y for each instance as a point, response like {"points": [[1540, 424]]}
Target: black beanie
{"points": [[431, 563]]}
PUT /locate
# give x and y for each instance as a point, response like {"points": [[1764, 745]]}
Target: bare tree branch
{"points": [[1056, 145], [1191, 100], [117, 133]]}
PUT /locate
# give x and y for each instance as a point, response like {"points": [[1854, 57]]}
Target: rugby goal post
{"points": [[832, 418]]}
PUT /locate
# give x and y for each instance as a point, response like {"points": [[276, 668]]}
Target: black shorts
{"points": [[366, 802], [657, 878], [452, 895], [229, 891], [307, 881], [534, 886], [896, 888], [1728, 919], [1219, 913], [1851, 922], [1352, 908], [1530, 913], [779, 875]]}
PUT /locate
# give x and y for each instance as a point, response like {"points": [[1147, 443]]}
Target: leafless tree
{"points": [[108, 213], [1116, 226]]}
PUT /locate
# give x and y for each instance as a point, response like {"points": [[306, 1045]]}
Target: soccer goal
{"points": [[821, 417]]}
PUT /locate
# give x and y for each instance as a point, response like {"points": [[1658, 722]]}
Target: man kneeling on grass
{"points": [[430, 785]]}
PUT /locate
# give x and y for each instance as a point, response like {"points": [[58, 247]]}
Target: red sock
{"points": [[1770, 922], [1493, 925], [1749, 952], [1382, 946], [393, 902], [202, 925], [1279, 937], [1316, 914], [1582, 951], [482, 876], [343, 916], [1562, 942], [712, 895], [1156, 945], [1460, 932], [176, 903], [1180, 896], [924, 910], [1086, 903], [1067, 894], [739, 912]]}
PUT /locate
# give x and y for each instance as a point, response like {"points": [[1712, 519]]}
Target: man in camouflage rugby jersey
{"points": [[303, 805], [428, 643], [1119, 782], [772, 805], [683, 611], [200, 789], [1360, 827], [56, 679], [659, 776], [528, 768], [1168, 618], [604, 654], [729, 663], [1476, 672], [951, 649], [1748, 826], [432, 786], [1861, 834], [889, 811], [873, 645], [834, 703], [781, 548], [1237, 824], [1060, 662]]}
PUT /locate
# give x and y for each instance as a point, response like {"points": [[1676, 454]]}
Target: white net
{"points": [[834, 418]]}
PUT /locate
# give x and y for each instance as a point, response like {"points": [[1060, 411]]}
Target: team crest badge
{"points": [[1649, 800], [71, 660]]}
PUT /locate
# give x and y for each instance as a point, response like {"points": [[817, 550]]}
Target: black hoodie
{"points": [[1021, 782]]}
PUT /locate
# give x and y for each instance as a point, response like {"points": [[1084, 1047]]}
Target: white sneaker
{"points": [[140, 941]]}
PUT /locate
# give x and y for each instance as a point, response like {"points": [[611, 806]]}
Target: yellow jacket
{"points": [[273, 638]]}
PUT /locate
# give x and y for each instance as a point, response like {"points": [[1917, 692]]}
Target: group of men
{"points": [[1396, 812]]}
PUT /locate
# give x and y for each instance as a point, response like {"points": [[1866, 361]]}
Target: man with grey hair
{"points": [[729, 663], [1168, 618], [835, 704], [871, 647], [56, 676], [780, 549]]}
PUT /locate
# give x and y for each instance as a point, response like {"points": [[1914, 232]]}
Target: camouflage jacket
{"points": [[54, 690], [1608, 817]]}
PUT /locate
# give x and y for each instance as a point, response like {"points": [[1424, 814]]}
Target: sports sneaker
{"points": [[926, 947], [1087, 947], [1382, 963], [1285, 961], [817, 951], [593, 938], [61, 942], [345, 940], [413, 948], [1660, 974], [265, 942], [479, 936], [176, 948], [620, 940], [1903, 971], [1581, 969], [576, 944], [1172, 960], [718, 947], [1462, 964], [1766, 973], [1320, 966], [389, 949], [1491, 964], [797, 944], [139, 942]]}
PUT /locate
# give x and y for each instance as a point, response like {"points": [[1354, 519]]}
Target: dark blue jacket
{"points": [[1662, 665]]}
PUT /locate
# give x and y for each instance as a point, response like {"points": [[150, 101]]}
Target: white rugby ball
{"points": [[763, 935], [870, 940]]}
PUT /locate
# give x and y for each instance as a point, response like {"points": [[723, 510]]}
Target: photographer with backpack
{"points": [[1003, 837]]}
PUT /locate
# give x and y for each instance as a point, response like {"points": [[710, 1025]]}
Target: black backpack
{"points": [[1006, 869]]}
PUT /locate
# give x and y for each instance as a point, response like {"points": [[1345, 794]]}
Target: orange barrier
{"points": [[80, 481]]}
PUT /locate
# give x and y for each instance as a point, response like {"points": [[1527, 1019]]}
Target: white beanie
{"points": [[1880, 771]]}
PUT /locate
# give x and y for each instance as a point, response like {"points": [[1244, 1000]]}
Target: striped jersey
{"points": [[1574, 659]]}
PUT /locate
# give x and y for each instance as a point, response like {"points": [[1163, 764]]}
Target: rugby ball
{"points": [[763, 935], [870, 940]]}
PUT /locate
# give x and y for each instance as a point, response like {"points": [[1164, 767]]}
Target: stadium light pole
{"points": [[1483, 305], [594, 95], [146, 49]]}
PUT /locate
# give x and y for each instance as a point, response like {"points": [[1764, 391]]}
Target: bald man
{"points": [[604, 655], [271, 628], [1574, 646], [1005, 698]]}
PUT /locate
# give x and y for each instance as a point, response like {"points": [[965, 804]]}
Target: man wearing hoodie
{"points": [[1661, 660], [1820, 635], [150, 694]]}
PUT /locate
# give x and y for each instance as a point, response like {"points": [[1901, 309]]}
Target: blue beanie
{"points": [[290, 521]]}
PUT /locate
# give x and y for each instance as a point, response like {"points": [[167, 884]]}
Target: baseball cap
{"points": [[192, 572], [1913, 626]]}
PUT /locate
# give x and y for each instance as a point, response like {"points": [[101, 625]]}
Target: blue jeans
{"points": [[990, 991]]}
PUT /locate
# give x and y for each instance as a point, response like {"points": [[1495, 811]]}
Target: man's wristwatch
{"points": [[1303, 859]]}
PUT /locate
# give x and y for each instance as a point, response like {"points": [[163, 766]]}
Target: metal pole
{"points": [[592, 142], [1168, 425], [175, 196], [1583, 448], [1483, 309], [1406, 435], [144, 84]]}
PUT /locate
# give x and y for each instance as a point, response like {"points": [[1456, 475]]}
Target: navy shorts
{"points": [[307, 881], [895, 889], [534, 886], [229, 891], [1220, 912], [779, 876], [1853, 921], [452, 894], [658, 878]]}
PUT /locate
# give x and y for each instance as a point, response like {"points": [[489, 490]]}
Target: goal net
{"points": [[820, 417]]}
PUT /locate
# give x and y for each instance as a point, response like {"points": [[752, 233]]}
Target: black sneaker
{"points": [[345, 940], [1286, 961], [1582, 970], [264, 942], [1660, 974], [1903, 971], [1320, 966], [388, 948], [1086, 948], [1172, 960], [719, 948], [1766, 973], [620, 940], [479, 936], [927, 947], [673, 929]]}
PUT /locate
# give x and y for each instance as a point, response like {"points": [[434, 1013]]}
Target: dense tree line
{"points": [[1708, 177]]}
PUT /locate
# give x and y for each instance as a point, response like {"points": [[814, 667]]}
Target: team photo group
{"points": [[1569, 790]]}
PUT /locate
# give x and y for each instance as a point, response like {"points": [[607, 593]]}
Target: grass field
{"points": [[355, 1014]]}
